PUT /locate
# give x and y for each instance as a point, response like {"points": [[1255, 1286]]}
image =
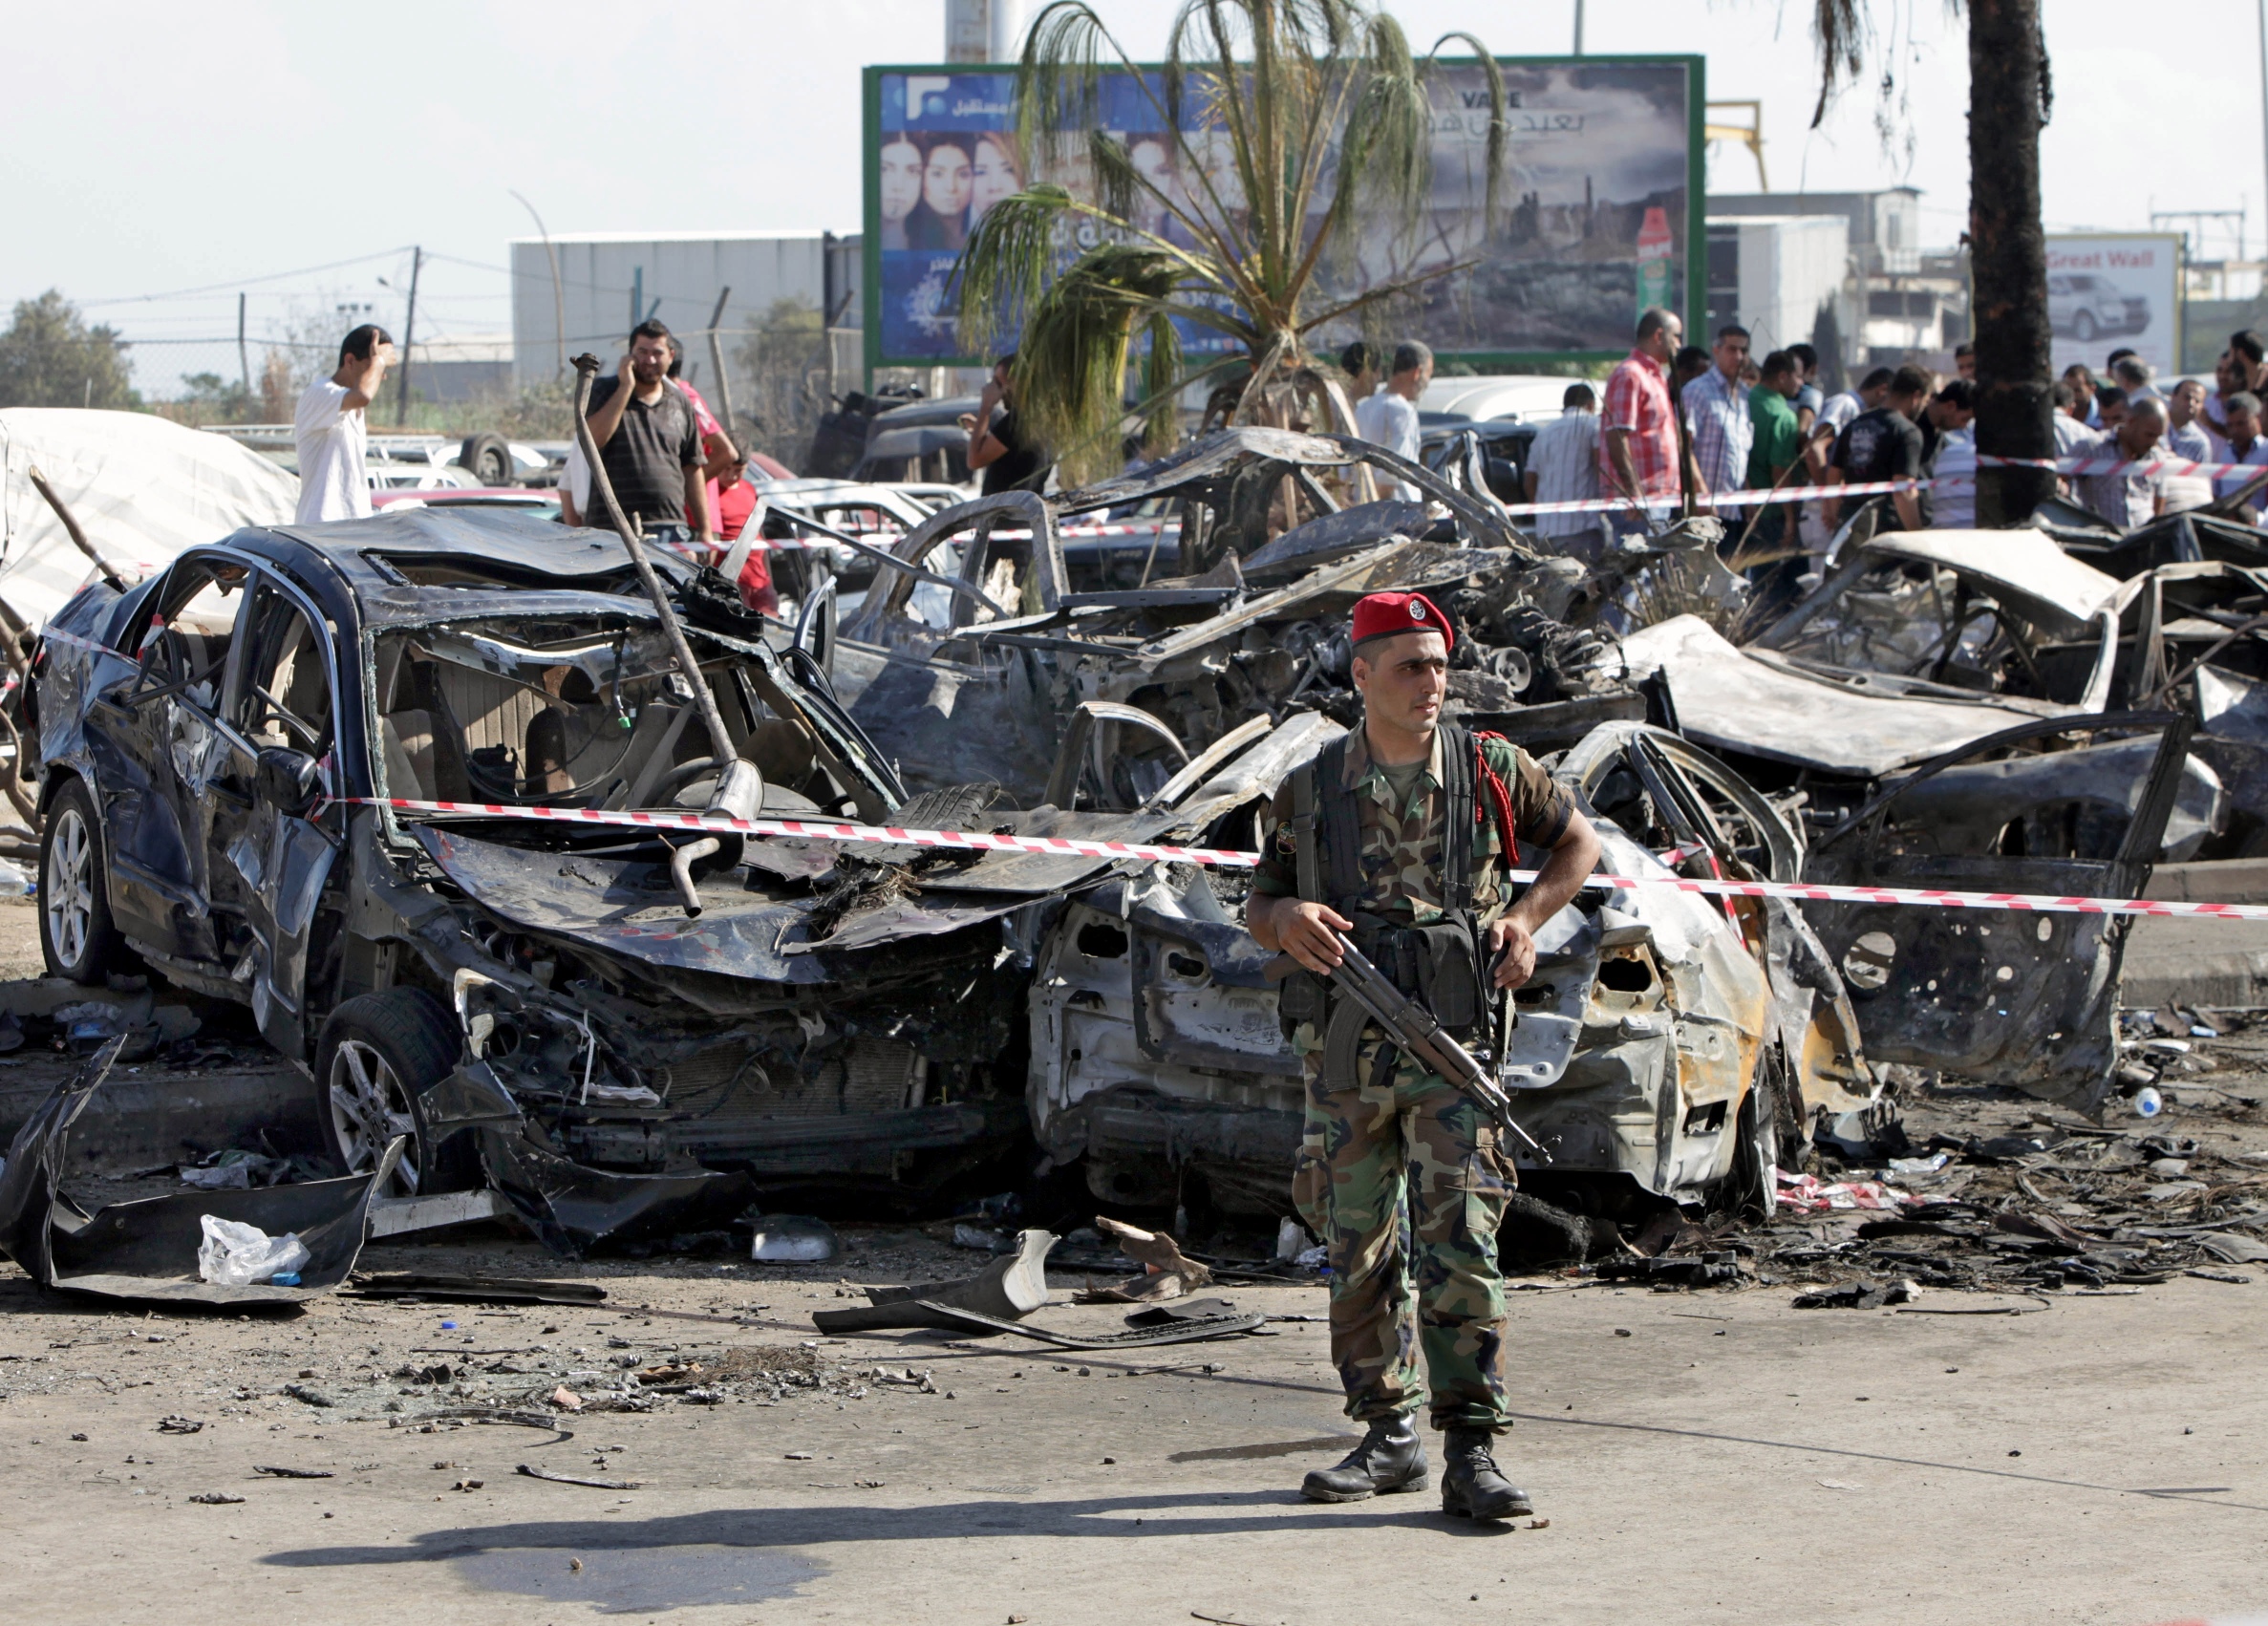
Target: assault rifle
{"points": [[1413, 1029]]}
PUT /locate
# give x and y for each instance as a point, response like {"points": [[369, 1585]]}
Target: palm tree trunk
{"points": [[2008, 255]]}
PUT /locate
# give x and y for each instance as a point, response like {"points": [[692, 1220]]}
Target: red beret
{"points": [[1382, 615]]}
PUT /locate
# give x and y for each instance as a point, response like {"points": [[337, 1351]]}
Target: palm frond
{"points": [[1842, 30], [1005, 266], [1059, 80], [1071, 364]]}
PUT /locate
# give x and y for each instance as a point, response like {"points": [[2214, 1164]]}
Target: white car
{"points": [[2084, 304], [1528, 397]]}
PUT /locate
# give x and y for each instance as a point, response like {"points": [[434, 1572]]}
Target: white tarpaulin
{"points": [[142, 488]]}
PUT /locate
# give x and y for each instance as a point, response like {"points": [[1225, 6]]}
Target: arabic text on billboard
{"points": [[1592, 225]]}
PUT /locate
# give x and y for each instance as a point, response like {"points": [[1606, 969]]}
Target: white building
{"points": [[1772, 273], [609, 281]]}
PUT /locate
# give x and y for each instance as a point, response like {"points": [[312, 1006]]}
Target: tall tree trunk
{"points": [[2008, 95]]}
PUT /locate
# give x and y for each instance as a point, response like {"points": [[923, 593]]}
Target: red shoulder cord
{"points": [[1497, 796]]}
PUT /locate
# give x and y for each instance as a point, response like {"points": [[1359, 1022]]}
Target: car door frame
{"points": [[157, 866], [2042, 1017]]}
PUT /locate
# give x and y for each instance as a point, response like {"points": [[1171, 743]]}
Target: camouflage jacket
{"points": [[1402, 846]]}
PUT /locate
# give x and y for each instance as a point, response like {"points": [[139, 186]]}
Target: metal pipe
{"points": [[586, 368], [724, 383]]}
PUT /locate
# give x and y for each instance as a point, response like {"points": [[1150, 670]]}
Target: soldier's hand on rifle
{"points": [[1308, 932], [1515, 950]]}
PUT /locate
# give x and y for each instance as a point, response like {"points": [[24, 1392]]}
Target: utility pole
{"points": [[558, 300], [2264, 104], [409, 333], [1579, 26], [244, 356]]}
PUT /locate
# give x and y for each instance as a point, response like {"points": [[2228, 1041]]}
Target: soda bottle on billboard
{"points": [[1654, 259]]}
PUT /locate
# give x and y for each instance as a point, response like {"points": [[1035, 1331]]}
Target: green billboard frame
{"points": [[1695, 208]]}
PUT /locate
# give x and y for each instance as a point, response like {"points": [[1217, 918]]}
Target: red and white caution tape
{"points": [[2171, 467], [713, 824], [1063, 847]]}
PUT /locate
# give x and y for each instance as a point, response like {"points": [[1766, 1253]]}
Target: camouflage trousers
{"points": [[1402, 1179]]}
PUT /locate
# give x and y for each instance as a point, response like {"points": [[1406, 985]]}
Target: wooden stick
{"points": [[78, 537]]}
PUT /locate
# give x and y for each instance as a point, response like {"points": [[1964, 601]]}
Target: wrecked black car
{"points": [[604, 1028]]}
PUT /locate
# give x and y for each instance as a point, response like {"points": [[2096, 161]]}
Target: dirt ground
{"points": [[1711, 1455]]}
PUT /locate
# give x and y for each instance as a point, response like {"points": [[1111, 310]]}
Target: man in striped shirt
{"points": [[1563, 467], [1716, 416], [1638, 434]]}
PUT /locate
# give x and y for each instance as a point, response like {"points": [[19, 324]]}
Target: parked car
{"points": [[2085, 306], [1528, 397]]}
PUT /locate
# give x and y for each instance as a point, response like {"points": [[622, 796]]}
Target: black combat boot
{"points": [[1391, 1458], [1470, 1486]]}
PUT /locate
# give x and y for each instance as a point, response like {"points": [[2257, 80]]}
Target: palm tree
{"points": [[2009, 101], [1307, 120]]}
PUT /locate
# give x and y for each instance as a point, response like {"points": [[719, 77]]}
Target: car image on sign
{"points": [[2083, 305]]}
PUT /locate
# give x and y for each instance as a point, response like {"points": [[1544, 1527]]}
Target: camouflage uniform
{"points": [[1402, 1174]]}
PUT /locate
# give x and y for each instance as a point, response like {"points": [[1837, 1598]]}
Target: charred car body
{"points": [[1667, 1047], [215, 747]]}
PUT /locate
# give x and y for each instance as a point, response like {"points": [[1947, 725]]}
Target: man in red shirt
{"points": [[1638, 438]]}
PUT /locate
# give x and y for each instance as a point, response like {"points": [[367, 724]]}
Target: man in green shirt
{"points": [[1775, 445]]}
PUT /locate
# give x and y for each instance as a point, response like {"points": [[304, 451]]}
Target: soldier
{"points": [[1399, 835]]}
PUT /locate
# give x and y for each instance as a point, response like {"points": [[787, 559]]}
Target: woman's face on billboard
{"points": [[901, 179], [945, 182], [995, 174]]}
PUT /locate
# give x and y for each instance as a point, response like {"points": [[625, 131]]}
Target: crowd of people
{"points": [[1677, 418]]}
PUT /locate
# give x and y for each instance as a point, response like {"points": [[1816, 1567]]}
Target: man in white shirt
{"points": [[332, 434], [1390, 417], [1563, 465]]}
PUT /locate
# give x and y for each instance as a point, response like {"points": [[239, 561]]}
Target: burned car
{"points": [[974, 665], [604, 1020], [1669, 1047]]}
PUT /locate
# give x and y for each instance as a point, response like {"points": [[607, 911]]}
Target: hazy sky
{"points": [[147, 148]]}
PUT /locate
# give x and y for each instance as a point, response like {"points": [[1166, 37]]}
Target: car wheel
{"points": [[488, 459], [379, 1056], [77, 937], [2083, 328]]}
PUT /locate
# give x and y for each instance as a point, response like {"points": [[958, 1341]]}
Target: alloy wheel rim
{"points": [[368, 1107], [70, 888]]}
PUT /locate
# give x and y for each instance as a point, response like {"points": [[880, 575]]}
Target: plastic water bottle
{"points": [[15, 882], [2148, 1102]]}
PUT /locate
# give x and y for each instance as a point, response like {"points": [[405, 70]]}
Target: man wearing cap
{"points": [[1399, 835]]}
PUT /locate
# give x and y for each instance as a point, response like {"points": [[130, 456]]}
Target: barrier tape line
{"points": [[1062, 846]]}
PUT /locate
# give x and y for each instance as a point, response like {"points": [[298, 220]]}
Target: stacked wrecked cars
{"points": [[379, 782]]}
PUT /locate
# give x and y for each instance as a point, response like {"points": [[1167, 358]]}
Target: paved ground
{"points": [[1712, 1456], [1730, 1459]]}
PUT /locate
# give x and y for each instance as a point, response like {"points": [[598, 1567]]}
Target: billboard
{"points": [[2115, 291], [1599, 213]]}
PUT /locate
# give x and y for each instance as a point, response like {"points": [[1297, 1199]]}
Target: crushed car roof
{"points": [[398, 564], [1735, 699]]}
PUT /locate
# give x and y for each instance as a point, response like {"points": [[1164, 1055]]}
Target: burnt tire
{"points": [[378, 1057], [77, 938]]}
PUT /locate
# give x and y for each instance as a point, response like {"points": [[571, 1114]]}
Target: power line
{"points": [[242, 282]]}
